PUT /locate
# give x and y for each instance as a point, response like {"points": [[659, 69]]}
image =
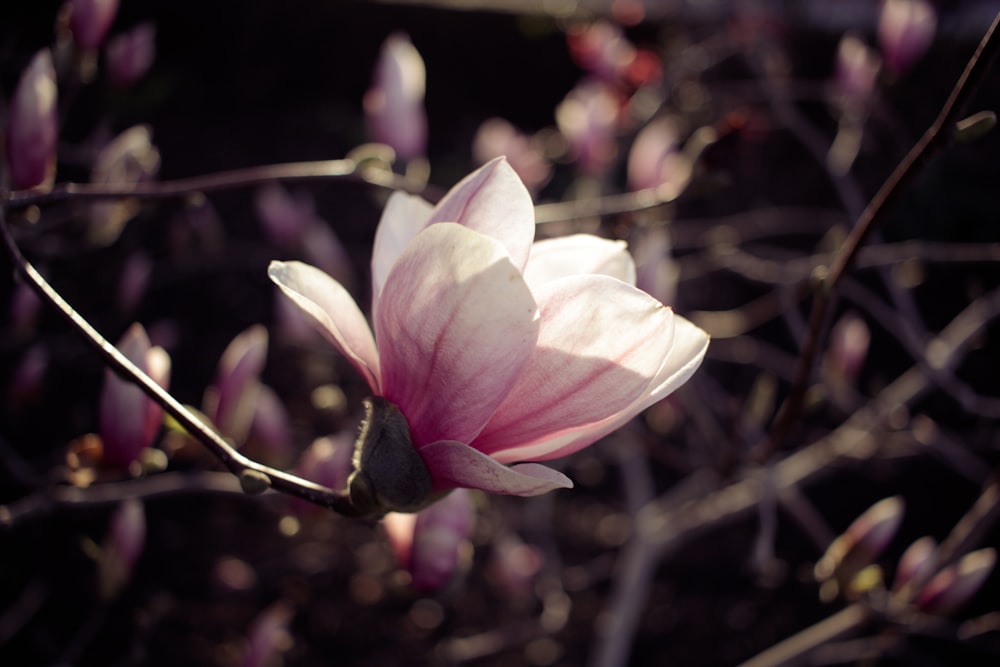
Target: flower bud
{"points": [[128, 159], [917, 563], [32, 126], [514, 565], [326, 461], [431, 544], [394, 105], [231, 403], [268, 636], [849, 341], [122, 547], [862, 543], [905, 31], [90, 21], [130, 55], [134, 281], [856, 72], [129, 420], [953, 586], [271, 429]]}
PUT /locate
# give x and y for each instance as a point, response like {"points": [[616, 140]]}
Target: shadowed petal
{"points": [[605, 351], [339, 318], [578, 254], [456, 325], [493, 201], [403, 218], [454, 464]]}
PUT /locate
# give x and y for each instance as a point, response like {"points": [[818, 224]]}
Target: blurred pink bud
{"points": [[90, 21], [237, 384], [656, 161], [863, 541], [905, 30], [268, 636], [431, 544], [856, 71], [284, 218], [953, 586], [134, 281], [130, 54], [394, 105], [849, 341], [32, 126], [128, 419], [588, 119], [656, 271], [128, 159], [24, 308], [271, 429], [26, 382], [601, 48], [121, 548], [917, 562], [496, 137], [514, 565]]}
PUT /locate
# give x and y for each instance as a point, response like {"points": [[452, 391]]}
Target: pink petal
{"points": [[455, 326], [605, 352], [493, 201], [578, 254], [338, 316], [454, 464], [403, 217]]}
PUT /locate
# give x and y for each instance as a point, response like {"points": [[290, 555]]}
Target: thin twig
{"points": [[254, 475], [934, 139]]}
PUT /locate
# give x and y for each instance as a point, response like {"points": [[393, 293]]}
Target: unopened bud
{"points": [[268, 636], [131, 54], [862, 542], [917, 563], [32, 126], [953, 586], [433, 544], [394, 105], [121, 548], [90, 21], [905, 31]]}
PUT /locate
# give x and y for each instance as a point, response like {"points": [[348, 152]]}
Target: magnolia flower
{"points": [[32, 126], [128, 159], [122, 547], [130, 420], [491, 353], [395, 103], [855, 71]]}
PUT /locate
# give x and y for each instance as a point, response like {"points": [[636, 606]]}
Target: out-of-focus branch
{"points": [[665, 524], [934, 139], [254, 476]]}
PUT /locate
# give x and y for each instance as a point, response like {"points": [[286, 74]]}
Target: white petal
{"points": [[454, 464], [338, 316], [578, 254]]}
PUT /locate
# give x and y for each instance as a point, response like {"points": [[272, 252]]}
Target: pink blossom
{"points": [[130, 420], [955, 585], [395, 103], [232, 402], [32, 126], [131, 54], [430, 544], [90, 21], [498, 352], [905, 31]]}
